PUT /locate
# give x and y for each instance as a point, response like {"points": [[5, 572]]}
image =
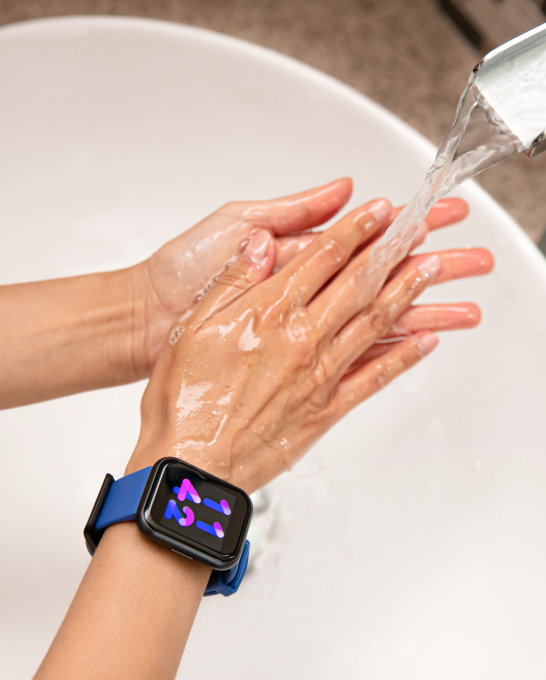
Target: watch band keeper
{"points": [[227, 583]]}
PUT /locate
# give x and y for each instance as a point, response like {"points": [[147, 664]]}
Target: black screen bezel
{"points": [[233, 542]]}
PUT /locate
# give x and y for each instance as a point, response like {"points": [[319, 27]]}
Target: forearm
{"points": [[132, 614], [70, 335]]}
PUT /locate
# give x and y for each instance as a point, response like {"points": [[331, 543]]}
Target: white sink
{"points": [[417, 548]]}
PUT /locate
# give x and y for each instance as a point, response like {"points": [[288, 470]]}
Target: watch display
{"points": [[190, 507]]}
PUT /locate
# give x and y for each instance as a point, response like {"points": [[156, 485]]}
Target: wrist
{"points": [[125, 331], [152, 318], [148, 455], [126, 540], [178, 506], [213, 462], [147, 324], [71, 335]]}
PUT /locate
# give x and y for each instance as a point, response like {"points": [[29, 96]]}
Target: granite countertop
{"points": [[406, 55]]}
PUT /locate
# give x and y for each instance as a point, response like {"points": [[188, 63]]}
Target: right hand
{"points": [[261, 367], [169, 283]]}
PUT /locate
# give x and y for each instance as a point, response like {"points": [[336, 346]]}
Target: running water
{"points": [[477, 140]]}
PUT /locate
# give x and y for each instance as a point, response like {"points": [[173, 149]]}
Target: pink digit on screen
{"points": [[189, 517], [218, 529], [172, 511], [186, 490]]}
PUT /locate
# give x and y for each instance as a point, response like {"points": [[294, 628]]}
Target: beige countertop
{"points": [[405, 55]]}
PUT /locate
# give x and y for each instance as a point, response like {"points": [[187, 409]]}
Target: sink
{"points": [[409, 544]]}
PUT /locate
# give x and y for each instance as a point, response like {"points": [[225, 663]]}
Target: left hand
{"points": [[174, 278]]}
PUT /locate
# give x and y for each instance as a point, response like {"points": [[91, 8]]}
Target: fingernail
{"points": [[427, 342], [256, 248], [430, 268], [380, 208]]}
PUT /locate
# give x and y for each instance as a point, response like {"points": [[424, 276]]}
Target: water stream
{"points": [[477, 140]]}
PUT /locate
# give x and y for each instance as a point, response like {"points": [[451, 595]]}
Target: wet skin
{"points": [[245, 379], [88, 332], [265, 363], [170, 282]]}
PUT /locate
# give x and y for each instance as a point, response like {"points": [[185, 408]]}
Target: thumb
{"points": [[253, 265]]}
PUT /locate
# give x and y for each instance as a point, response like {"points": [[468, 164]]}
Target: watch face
{"points": [[197, 509]]}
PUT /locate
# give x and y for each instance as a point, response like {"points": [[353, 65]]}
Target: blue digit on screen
{"points": [[214, 530]]}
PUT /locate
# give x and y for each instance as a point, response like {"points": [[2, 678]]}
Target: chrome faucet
{"points": [[512, 78]]}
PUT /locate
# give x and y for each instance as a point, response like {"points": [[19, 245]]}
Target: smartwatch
{"points": [[183, 509]]}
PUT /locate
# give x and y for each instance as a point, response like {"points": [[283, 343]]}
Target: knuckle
{"points": [[365, 223], [322, 392], [379, 318], [413, 284], [333, 250], [322, 385], [410, 357], [381, 377], [360, 270], [319, 400], [234, 277], [359, 273], [321, 375]]}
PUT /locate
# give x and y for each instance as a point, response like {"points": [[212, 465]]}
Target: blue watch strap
{"points": [[122, 501], [121, 505], [227, 582]]}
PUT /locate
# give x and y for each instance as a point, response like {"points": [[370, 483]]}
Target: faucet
{"points": [[512, 78]]}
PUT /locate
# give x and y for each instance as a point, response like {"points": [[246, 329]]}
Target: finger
{"points": [[340, 301], [301, 211], [445, 212], [418, 318], [360, 384], [255, 264], [438, 317], [456, 264], [303, 276], [374, 322], [352, 290], [290, 246], [378, 349], [420, 236], [418, 239]]}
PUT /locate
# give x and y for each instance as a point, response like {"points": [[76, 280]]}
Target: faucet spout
{"points": [[512, 79]]}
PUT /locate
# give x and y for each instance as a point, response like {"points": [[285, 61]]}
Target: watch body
{"points": [[180, 507], [194, 513]]}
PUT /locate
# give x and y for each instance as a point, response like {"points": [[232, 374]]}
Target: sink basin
{"points": [[410, 543]]}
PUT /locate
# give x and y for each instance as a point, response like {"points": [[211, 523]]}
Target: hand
{"points": [[265, 367], [261, 367], [174, 278]]}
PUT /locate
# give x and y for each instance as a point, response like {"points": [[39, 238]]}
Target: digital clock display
{"points": [[190, 506]]}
